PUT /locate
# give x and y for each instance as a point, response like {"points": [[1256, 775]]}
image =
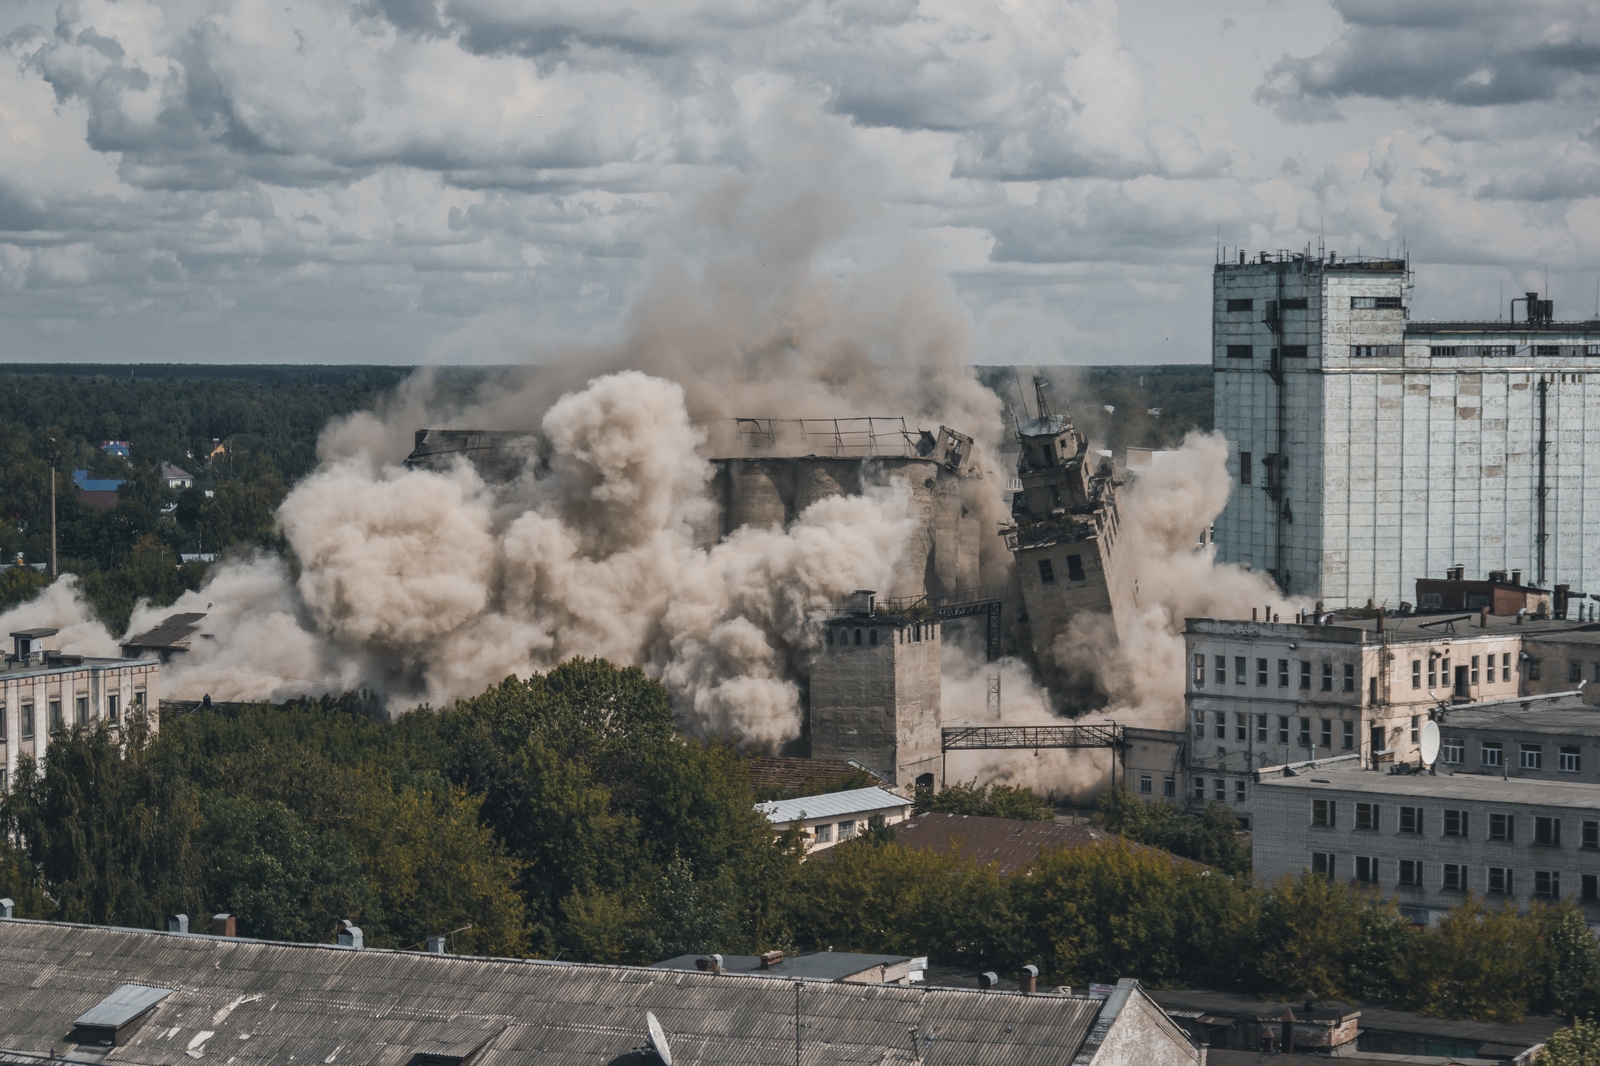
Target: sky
{"points": [[458, 181]]}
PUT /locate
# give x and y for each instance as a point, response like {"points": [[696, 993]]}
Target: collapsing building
{"points": [[1064, 534]]}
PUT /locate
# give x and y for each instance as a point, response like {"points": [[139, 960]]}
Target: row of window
{"points": [[1287, 351], [1412, 821], [1492, 755], [905, 635], [1342, 673], [1047, 570], [824, 833], [1505, 351], [1147, 786], [1289, 303], [26, 717], [1245, 724], [1219, 789], [1440, 671], [1453, 877]]}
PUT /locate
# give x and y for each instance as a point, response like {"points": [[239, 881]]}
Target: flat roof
{"points": [[1432, 628], [1481, 788], [1567, 716], [820, 966], [172, 632], [9, 670], [1591, 326], [831, 804]]}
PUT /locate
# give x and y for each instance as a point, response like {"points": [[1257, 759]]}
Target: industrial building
{"points": [[833, 817], [43, 689], [1270, 693], [77, 993], [1369, 449], [1430, 839]]}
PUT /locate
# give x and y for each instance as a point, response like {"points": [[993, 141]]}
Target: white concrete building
{"points": [[42, 690], [1429, 840], [1369, 450], [828, 818]]}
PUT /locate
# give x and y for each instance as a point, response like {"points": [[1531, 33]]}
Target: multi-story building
{"points": [[1262, 694], [1429, 839], [1548, 738], [43, 690], [1369, 450]]}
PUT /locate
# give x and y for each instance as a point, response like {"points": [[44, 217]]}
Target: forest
{"points": [[564, 815]]}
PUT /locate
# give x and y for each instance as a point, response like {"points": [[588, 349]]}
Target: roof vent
{"points": [[224, 925], [988, 980], [436, 944], [348, 934], [177, 923], [112, 1021], [769, 959], [710, 964], [458, 1043], [8, 908]]}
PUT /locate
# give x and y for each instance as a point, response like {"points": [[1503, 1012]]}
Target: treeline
{"points": [[565, 815]]}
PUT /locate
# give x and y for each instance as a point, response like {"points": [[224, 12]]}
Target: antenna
{"points": [[658, 1039], [1041, 400], [1429, 742], [1022, 397]]}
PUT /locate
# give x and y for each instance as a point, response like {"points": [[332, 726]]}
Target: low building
{"points": [[176, 477], [1009, 843], [1551, 738], [828, 818], [1501, 592], [100, 493], [1430, 839], [848, 966], [43, 690], [172, 999]]}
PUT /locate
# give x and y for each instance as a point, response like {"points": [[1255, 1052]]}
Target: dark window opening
{"points": [[1294, 303], [1047, 572], [1294, 351], [1075, 568], [1242, 305], [1240, 351], [1244, 468]]}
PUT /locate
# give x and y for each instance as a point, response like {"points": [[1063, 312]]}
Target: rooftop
{"points": [[822, 966], [1587, 327], [1567, 715], [1429, 628], [173, 632], [254, 1003], [831, 805], [1010, 842], [1481, 788]]}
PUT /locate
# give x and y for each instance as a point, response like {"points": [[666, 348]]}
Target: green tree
{"points": [[1572, 963], [1577, 1045], [995, 801], [1211, 837], [1481, 963]]}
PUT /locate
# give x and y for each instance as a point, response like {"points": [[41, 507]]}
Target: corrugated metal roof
{"points": [[832, 804], [122, 1006], [252, 1003], [819, 966]]}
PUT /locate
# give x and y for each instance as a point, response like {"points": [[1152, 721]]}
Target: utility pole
{"points": [[55, 456]]}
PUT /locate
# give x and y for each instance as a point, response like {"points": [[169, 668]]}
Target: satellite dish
{"points": [[1430, 742], [658, 1039]]}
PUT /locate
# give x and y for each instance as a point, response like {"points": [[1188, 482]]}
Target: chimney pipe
{"points": [[769, 959], [1028, 979], [1483, 618], [1287, 1018], [224, 925], [178, 923], [347, 934], [1380, 621]]}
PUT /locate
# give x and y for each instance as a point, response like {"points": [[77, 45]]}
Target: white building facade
{"points": [[1369, 450]]}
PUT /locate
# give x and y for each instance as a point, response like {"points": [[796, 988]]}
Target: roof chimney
{"points": [[224, 925], [1516, 577], [177, 923], [1483, 618], [988, 980], [436, 944], [8, 908], [769, 959], [347, 934], [1028, 979]]}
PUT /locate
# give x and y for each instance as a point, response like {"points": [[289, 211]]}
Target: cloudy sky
{"points": [[490, 180]]}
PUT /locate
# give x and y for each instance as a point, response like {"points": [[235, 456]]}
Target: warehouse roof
{"points": [[254, 1003], [820, 966], [831, 804]]}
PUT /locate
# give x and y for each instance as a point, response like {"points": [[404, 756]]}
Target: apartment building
{"points": [[1429, 839], [1262, 693], [43, 690]]}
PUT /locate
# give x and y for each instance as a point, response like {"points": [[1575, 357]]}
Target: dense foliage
{"points": [[995, 801], [1211, 836], [565, 815]]}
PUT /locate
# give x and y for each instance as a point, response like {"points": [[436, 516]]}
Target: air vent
{"points": [[112, 1021]]}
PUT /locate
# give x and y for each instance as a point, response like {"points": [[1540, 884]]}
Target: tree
{"points": [[1479, 963], [1577, 1045], [994, 801], [1333, 939], [1211, 837]]}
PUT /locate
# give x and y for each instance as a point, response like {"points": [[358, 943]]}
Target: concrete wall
{"points": [[93, 681], [879, 703]]}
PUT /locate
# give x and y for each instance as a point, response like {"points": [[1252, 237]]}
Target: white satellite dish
{"points": [[1430, 742], [658, 1039]]}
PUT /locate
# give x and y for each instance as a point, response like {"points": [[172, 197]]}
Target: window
{"points": [[1075, 568], [1047, 572], [1500, 881], [858, 636], [113, 707], [83, 709], [1169, 787], [1261, 729], [1324, 813], [1294, 351], [1433, 672], [1410, 873], [1547, 351], [1489, 669], [1199, 788], [1455, 879], [1439, 351], [1219, 665], [1283, 673], [1261, 672], [1367, 816], [26, 724], [872, 637], [138, 700], [2, 722], [1444, 671], [1240, 351], [1349, 735], [1530, 757], [1327, 677], [1244, 468], [1238, 790], [1322, 864], [1241, 727], [1375, 351], [1283, 729], [1411, 820], [1349, 677], [1533, 669], [1326, 738], [1505, 666], [1455, 823], [1146, 785], [1366, 870], [1475, 669], [1221, 732], [1375, 303], [1591, 836], [1246, 304], [1416, 728], [1239, 669], [1570, 760], [1574, 671], [847, 830], [1293, 303], [824, 834], [1452, 750], [1503, 827], [1305, 676], [55, 714], [1305, 732], [1591, 888], [1416, 673], [1490, 753], [1547, 832], [1199, 671], [1219, 788], [1199, 723]]}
